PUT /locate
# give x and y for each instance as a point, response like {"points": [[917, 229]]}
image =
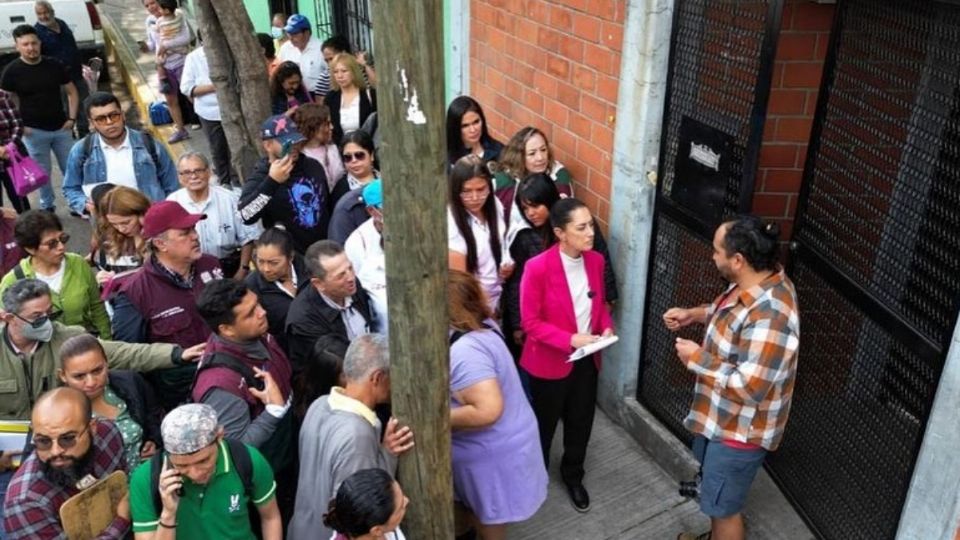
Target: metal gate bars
{"points": [[875, 259]]}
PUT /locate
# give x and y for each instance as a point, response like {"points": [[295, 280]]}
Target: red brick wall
{"points": [[804, 35], [553, 64]]}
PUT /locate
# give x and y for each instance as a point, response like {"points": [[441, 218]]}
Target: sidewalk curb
{"points": [[136, 81]]}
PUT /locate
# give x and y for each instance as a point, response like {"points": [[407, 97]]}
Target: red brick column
{"points": [[553, 64], [804, 36]]}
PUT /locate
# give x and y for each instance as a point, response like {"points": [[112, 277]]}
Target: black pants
{"points": [[220, 152], [573, 400], [18, 203]]}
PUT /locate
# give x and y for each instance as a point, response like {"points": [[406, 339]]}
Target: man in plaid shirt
{"points": [[745, 370], [69, 447]]}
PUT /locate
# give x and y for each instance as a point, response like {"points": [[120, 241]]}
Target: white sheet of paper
{"points": [[587, 350], [13, 435]]}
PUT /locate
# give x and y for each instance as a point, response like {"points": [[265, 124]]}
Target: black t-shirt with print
{"points": [[38, 87]]}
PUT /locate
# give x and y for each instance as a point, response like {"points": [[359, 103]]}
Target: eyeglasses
{"points": [[193, 172], [41, 320], [65, 441], [54, 242], [108, 118], [475, 194], [348, 157]]}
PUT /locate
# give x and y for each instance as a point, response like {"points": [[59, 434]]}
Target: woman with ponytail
{"points": [[369, 505]]}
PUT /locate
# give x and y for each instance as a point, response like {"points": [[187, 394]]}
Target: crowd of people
{"points": [[225, 339]]}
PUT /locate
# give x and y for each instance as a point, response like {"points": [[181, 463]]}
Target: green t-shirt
{"points": [[216, 510]]}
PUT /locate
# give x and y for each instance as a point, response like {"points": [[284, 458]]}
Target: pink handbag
{"points": [[27, 175]]}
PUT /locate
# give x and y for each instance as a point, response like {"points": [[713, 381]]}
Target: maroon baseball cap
{"points": [[165, 215]]}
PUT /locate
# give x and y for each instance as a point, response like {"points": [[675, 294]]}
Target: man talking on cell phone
{"points": [[202, 486], [745, 367], [287, 187]]}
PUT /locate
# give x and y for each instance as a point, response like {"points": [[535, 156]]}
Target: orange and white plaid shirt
{"points": [[747, 365]]}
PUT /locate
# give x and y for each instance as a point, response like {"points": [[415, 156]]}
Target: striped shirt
{"points": [[747, 365]]}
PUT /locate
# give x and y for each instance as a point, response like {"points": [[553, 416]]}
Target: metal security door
{"points": [[721, 64], [876, 262]]}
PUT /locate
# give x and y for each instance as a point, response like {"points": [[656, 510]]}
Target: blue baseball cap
{"points": [[282, 128], [373, 194], [296, 23]]}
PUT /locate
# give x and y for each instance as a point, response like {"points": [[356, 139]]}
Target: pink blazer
{"points": [[547, 316]]}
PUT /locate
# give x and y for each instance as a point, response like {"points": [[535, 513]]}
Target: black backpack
{"points": [[239, 457]]}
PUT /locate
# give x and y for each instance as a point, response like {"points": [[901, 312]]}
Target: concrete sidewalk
{"points": [[123, 27], [633, 498]]}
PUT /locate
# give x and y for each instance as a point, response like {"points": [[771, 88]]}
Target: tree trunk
{"points": [[411, 120], [238, 71]]}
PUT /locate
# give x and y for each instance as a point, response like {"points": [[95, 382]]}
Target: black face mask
{"points": [[71, 474]]}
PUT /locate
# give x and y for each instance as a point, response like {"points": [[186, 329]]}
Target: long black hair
{"points": [[363, 501], [460, 106], [465, 169], [535, 190], [322, 372]]}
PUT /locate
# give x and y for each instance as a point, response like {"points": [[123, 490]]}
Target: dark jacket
{"points": [[310, 317], [141, 402], [348, 214], [301, 204], [276, 302], [152, 307], [527, 245], [368, 105], [491, 151]]}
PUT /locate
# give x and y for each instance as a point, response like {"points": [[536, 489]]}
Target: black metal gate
{"points": [[721, 62], [354, 19], [875, 253], [875, 259]]}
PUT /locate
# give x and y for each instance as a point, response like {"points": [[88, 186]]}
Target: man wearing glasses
{"points": [[71, 451], [114, 153], [28, 362]]}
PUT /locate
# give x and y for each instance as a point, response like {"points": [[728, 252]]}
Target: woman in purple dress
{"points": [[498, 472]]}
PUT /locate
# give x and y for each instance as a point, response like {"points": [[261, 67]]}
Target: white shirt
{"points": [[350, 115], [487, 272], [293, 281], [576, 272], [119, 162], [223, 232], [54, 281], [196, 72], [366, 254], [310, 59], [353, 321]]}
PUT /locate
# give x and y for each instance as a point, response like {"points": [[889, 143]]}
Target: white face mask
{"points": [[276, 33], [42, 334]]}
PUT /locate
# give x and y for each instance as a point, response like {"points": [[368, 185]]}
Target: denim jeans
{"points": [[39, 144]]}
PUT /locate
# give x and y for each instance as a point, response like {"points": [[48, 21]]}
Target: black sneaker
{"points": [[579, 497]]}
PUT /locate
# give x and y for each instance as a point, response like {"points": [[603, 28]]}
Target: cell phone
{"points": [[166, 465], [285, 149]]}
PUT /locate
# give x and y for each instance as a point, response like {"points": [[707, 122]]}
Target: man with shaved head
{"points": [[72, 450]]}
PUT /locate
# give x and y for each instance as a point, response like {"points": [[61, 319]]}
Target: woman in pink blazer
{"points": [[562, 308]]}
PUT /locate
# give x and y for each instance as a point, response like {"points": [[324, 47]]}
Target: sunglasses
{"points": [[41, 320], [65, 441], [52, 244], [348, 157], [110, 117]]}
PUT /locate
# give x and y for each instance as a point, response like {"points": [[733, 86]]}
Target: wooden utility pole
{"points": [[409, 53], [238, 71]]}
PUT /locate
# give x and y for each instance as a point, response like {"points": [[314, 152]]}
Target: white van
{"points": [[81, 15]]}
